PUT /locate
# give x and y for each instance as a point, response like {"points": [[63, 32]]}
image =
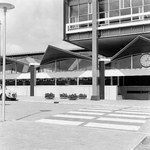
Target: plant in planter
{"points": [[49, 95], [72, 96], [82, 96], [63, 96]]}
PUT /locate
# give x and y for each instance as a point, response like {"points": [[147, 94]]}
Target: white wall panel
{"points": [[110, 91]]}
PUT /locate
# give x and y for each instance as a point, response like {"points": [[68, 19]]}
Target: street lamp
{"points": [[5, 7]]}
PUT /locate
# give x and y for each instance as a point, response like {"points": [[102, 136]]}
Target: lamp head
{"points": [[6, 6]]}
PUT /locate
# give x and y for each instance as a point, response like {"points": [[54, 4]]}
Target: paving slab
{"points": [[21, 131], [26, 135], [129, 103]]}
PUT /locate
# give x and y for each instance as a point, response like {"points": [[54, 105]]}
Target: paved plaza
{"points": [[34, 123]]}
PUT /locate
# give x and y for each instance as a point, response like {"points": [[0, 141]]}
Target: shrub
{"points": [[63, 96], [82, 96], [72, 96], [49, 95]]}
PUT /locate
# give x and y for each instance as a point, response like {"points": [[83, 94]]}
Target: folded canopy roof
{"points": [[137, 46], [30, 61], [14, 65], [10, 61], [53, 54]]}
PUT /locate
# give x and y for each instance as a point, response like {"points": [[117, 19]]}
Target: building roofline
{"points": [[42, 52], [25, 53]]}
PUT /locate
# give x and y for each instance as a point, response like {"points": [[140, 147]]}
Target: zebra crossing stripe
{"points": [[74, 116], [97, 110], [130, 116], [137, 110], [121, 120], [60, 122], [131, 112], [113, 126], [86, 113], [101, 108]]}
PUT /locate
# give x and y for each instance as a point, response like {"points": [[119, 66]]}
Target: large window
{"points": [[81, 10], [103, 9], [136, 3], [103, 6], [125, 4], [74, 13], [114, 10], [114, 4], [147, 7], [146, 2]]}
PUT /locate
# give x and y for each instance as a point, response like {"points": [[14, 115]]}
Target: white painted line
{"points": [[102, 108], [60, 122], [112, 126], [137, 110], [95, 110], [86, 113], [130, 116], [122, 120], [131, 112], [74, 116]]}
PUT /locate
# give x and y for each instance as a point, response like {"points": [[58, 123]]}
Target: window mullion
{"points": [[131, 10]]}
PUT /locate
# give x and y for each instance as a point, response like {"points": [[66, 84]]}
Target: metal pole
{"points": [[5, 7], [0, 54], [4, 63], [0, 40]]}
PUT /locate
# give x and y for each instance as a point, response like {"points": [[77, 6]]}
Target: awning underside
{"points": [[82, 74], [139, 45], [53, 54]]}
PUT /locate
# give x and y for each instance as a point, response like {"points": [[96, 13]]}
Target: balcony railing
{"points": [[109, 23]]}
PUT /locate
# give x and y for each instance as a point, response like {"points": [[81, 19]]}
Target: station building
{"points": [[122, 33], [122, 36]]}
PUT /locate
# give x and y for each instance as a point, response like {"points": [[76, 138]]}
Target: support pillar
{"points": [[102, 79], [131, 62], [55, 81], [77, 81], [32, 79], [55, 66], [95, 92], [77, 64], [15, 73]]}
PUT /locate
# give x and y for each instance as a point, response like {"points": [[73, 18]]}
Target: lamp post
{"points": [[5, 7]]}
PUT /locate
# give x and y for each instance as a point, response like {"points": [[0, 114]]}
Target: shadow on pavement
{"points": [[33, 114]]}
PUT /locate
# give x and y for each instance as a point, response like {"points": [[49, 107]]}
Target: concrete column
{"points": [[77, 64], [111, 80], [15, 81], [95, 92], [16, 73], [102, 79], [55, 65], [55, 81], [77, 81], [131, 62], [118, 81], [32, 79]]}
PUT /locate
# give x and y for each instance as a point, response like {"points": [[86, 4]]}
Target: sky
{"points": [[33, 25]]}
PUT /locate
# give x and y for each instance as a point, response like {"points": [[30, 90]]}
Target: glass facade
{"points": [[81, 10]]}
